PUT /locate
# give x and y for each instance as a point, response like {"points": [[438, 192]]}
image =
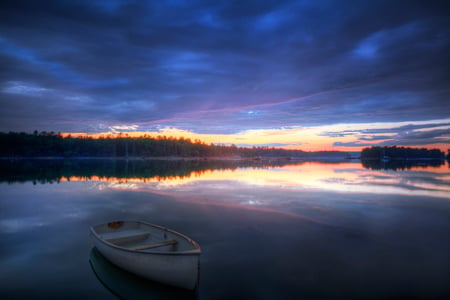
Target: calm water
{"points": [[283, 231]]}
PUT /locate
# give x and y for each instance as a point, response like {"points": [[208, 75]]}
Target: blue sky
{"points": [[220, 70]]}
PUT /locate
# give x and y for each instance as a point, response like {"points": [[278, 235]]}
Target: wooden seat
{"points": [[123, 236], [154, 245]]}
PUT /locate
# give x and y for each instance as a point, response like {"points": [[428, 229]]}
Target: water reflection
{"points": [[129, 286], [288, 231], [181, 176], [53, 170], [343, 177], [401, 164]]}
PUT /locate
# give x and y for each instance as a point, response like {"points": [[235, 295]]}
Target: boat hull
{"points": [[126, 285], [179, 269]]}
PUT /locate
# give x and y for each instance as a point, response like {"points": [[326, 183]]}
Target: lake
{"points": [[268, 230]]}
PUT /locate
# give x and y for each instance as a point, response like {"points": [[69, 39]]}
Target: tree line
{"points": [[401, 153], [52, 144]]}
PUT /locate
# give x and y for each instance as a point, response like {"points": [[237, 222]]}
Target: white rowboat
{"points": [[150, 251]]}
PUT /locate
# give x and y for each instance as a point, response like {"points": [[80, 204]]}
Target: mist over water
{"points": [[267, 231]]}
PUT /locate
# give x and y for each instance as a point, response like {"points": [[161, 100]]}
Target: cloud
{"points": [[421, 133], [123, 128], [222, 67], [24, 88]]}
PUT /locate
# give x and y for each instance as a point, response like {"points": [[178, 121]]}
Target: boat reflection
{"points": [[126, 285]]}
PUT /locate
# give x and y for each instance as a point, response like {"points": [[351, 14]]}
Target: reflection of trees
{"points": [[52, 170], [376, 164]]}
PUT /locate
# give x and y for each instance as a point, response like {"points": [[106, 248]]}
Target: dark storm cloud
{"points": [[209, 65]]}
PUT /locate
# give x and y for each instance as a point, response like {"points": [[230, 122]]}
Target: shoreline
{"points": [[181, 158]]}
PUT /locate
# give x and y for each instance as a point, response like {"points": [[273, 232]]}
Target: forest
{"points": [[401, 153], [51, 144]]}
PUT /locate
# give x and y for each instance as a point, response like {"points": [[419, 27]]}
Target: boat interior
{"points": [[143, 237]]}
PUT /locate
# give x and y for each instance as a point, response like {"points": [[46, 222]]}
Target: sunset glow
{"points": [[248, 74], [339, 137], [304, 145], [342, 177]]}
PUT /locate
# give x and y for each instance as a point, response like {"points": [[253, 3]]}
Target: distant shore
{"points": [[311, 157], [174, 158]]}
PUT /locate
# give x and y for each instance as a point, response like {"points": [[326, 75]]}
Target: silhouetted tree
{"points": [[400, 153]]}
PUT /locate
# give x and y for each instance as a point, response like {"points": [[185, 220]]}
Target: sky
{"points": [[310, 75]]}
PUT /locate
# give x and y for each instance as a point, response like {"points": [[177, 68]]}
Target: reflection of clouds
{"points": [[343, 177], [392, 182], [113, 184], [20, 224], [252, 202], [123, 186]]}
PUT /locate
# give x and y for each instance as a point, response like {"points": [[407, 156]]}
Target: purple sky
{"points": [[227, 67]]}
